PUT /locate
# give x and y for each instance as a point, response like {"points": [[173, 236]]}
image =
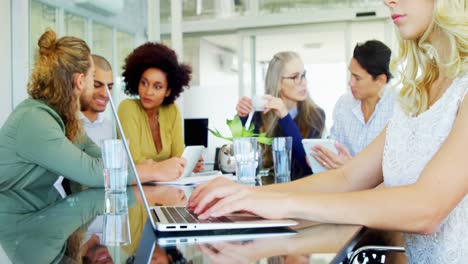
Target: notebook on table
{"points": [[178, 219]]}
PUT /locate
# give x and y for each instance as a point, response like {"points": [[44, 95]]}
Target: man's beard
{"points": [[84, 104]]}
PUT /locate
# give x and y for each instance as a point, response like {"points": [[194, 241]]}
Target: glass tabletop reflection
{"points": [[92, 226], [307, 242]]}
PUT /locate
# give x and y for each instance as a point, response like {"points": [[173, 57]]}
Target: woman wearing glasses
{"points": [[288, 111]]}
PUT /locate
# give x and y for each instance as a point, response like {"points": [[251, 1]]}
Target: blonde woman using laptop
{"points": [[420, 156]]}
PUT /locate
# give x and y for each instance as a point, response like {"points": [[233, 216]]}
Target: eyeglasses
{"points": [[297, 79]]}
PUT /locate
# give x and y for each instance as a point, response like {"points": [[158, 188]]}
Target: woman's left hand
{"points": [[276, 105]]}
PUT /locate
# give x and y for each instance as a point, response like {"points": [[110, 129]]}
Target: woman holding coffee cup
{"points": [[288, 110]]}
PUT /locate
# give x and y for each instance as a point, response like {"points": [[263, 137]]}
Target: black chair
{"points": [[373, 254]]}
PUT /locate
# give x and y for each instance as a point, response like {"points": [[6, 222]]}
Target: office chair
{"points": [[373, 254]]}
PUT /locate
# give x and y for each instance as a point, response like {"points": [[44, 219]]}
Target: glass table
{"points": [[39, 226]]}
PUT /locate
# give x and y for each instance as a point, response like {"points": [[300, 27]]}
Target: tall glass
{"points": [[246, 154], [281, 148], [116, 222], [114, 158]]}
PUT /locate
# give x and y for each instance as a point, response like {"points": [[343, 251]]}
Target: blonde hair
{"points": [[309, 116], [450, 18], [52, 80]]}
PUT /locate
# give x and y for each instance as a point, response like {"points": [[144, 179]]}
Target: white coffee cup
{"points": [[258, 102]]}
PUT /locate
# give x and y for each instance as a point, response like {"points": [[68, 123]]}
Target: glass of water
{"points": [[246, 155], [116, 231], [281, 148], [114, 158]]}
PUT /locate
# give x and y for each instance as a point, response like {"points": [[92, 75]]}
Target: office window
{"points": [[194, 10], [102, 41], [125, 45], [191, 54], [75, 26], [42, 17], [322, 48], [285, 6], [191, 57]]}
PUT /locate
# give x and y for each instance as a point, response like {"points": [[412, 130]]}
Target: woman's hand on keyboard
{"points": [[197, 199], [221, 197]]}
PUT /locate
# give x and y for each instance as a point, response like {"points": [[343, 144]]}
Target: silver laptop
{"points": [[176, 238], [181, 219], [165, 218]]}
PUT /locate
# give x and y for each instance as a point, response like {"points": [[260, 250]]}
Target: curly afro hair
{"points": [[159, 56]]}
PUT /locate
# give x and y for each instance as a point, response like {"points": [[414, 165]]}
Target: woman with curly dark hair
{"points": [[151, 121]]}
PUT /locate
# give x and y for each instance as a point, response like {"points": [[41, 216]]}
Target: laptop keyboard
{"points": [[183, 215]]}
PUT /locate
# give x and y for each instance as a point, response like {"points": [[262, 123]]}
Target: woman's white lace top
{"points": [[410, 144]]}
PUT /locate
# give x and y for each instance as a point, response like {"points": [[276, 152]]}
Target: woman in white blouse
{"points": [[420, 156]]}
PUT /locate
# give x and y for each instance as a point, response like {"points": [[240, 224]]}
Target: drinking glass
{"points": [[246, 155], [114, 158], [281, 147], [116, 223]]}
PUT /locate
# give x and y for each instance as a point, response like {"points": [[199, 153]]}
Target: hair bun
{"points": [[47, 42]]}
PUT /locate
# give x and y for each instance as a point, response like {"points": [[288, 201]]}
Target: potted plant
{"points": [[225, 159]]}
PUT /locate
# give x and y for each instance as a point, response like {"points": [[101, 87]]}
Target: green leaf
{"points": [[265, 140], [216, 133], [236, 127], [238, 130]]}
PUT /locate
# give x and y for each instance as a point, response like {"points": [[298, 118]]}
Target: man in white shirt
{"points": [[95, 124], [360, 116]]}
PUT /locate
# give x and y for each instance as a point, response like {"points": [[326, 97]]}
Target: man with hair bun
{"points": [[43, 137]]}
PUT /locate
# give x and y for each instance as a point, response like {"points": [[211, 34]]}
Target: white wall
{"points": [[216, 96], [5, 62]]}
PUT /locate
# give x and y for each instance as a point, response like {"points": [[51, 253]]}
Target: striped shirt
{"points": [[349, 128]]}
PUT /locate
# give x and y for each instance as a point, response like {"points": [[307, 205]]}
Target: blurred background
{"points": [[228, 43]]}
